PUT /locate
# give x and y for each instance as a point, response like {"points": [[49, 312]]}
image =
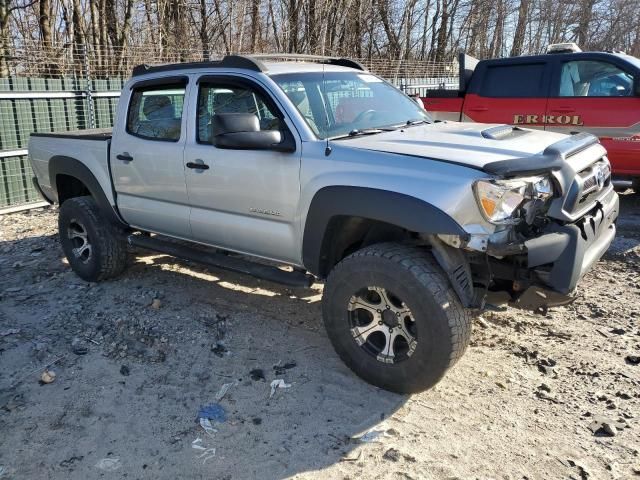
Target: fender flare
{"points": [[63, 165], [395, 208]]}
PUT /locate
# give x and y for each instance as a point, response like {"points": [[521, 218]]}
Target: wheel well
{"points": [[346, 234], [69, 187]]}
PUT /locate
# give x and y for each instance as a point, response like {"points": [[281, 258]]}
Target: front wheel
{"points": [[393, 318], [95, 248]]}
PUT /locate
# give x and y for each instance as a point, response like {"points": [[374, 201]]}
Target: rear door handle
{"points": [[563, 109], [198, 166], [125, 157], [479, 109]]}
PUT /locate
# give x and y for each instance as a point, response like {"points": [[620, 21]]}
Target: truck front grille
{"points": [[594, 179], [589, 185]]}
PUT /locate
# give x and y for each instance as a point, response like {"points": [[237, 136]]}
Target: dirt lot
{"points": [[136, 358]]}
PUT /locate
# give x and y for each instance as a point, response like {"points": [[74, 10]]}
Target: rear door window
{"points": [[155, 113], [520, 81]]}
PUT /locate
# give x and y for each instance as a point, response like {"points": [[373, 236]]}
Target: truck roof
{"points": [[547, 56], [291, 63]]}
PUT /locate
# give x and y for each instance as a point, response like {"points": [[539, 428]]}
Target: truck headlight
{"points": [[500, 199]]}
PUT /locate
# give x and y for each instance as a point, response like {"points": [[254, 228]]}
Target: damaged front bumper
{"points": [[558, 259]]}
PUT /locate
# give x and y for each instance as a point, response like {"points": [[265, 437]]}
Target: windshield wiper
{"points": [[356, 132], [364, 131], [408, 123]]}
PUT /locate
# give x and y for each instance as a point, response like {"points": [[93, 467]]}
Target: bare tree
{"points": [[115, 31]]}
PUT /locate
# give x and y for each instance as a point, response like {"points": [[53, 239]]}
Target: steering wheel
{"points": [[367, 113]]}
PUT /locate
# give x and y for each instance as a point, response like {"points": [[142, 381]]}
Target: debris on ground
{"points": [[392, 455], [632, 359], [282, 369], [207, 452], [214, 412], [219, 349], [110, 464], [9, 331], [207, 426], [48, 376], [371, 435], [256, 374], [223, 390], [125, 371], [79, 347], [156, 303], [276, 384], [352, 456], [603, 427]]}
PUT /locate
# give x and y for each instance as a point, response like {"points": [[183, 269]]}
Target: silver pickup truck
{"points": [[327, 169]]}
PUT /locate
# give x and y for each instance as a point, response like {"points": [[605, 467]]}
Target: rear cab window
{"points": [[155, 112], [524, 80]]}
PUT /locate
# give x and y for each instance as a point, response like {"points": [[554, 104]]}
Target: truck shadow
{"points": [[214, 328]]}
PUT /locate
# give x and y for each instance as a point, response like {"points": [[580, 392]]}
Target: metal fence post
{"points": [[88, 93]]}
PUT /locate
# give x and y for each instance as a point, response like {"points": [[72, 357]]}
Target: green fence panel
{"points": [[40, 107], [8, 127], [20, 117], [74, 107], [57, 107]]}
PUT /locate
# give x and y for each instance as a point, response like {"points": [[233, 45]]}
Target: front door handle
{"points": [[125, 157], [478, 109], [198, 166]]}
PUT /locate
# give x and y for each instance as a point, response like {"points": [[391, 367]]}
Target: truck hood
{"points": [[469, 144]]}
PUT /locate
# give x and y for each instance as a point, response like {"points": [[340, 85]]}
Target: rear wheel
{"points": [[393, 318], [95, 248]]}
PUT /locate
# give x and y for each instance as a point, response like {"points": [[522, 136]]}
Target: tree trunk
{"points": [[441, 48], [582, 32], [495, 49], [255, 23], [51, 67], [4, 38], [293, 26], [225, 41], [521, 28]]}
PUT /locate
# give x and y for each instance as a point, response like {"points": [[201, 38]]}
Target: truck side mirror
{"points": [[241, 131]]}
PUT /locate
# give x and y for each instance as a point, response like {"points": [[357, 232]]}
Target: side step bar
{"points": [[266, 272]]}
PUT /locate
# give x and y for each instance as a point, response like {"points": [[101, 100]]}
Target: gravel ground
{"points": [[136, 358]]}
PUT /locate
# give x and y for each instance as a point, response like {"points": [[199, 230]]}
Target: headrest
{"points": [[156, 106]]}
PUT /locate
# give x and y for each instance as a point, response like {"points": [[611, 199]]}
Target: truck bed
{"points": [[89, 147], [90, 134]]}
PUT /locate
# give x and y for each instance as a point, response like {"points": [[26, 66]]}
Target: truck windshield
{"points": [[340, 104]]}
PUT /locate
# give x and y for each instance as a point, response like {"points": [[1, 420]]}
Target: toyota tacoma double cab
{"points": [[302, 171], [566, 91]]}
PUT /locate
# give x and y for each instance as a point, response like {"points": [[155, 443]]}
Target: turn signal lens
{"points": [[499, 199]]}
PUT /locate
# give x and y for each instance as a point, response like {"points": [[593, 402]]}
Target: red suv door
{"points": [[597, 95], [512, 91]]}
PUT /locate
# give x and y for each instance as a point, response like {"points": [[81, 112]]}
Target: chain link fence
{"points": [[77, 88]]}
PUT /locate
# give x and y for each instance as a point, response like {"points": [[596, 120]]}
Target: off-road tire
{"points": [[108, 248], [442, 324]]}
